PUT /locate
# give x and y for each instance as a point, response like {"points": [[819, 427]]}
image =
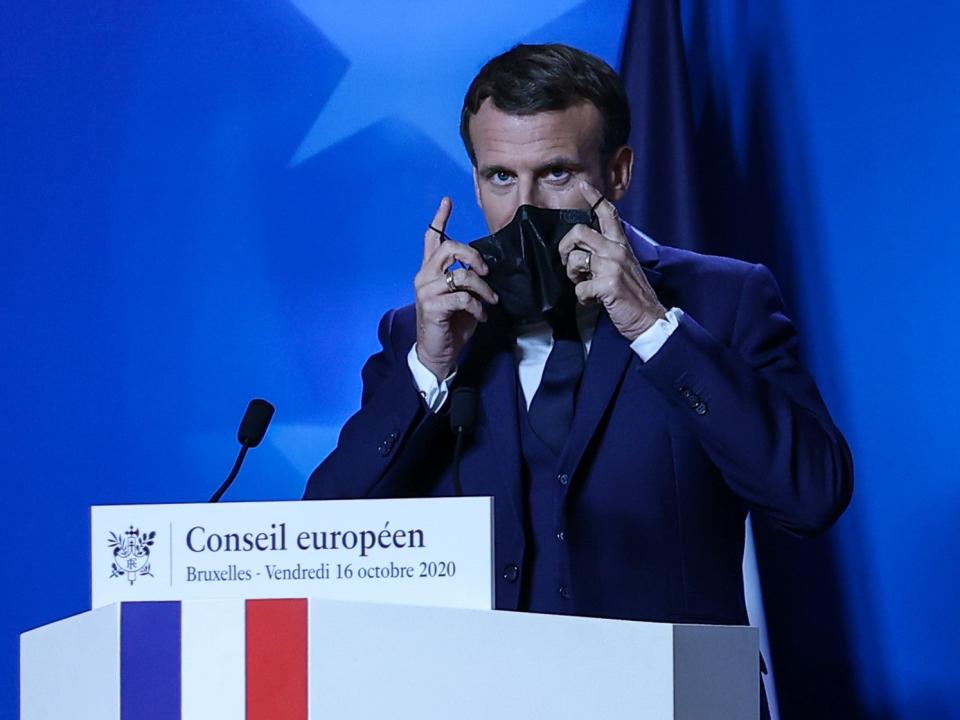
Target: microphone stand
{"points": [[233, 474]]}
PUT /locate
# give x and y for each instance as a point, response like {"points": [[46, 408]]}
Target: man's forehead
{"points": [[570, 132]]}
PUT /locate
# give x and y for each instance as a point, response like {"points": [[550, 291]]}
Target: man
{"points": [[625, 437]]}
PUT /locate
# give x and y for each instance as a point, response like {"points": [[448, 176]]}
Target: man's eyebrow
{"points": [[487, 170], [561, 162]]}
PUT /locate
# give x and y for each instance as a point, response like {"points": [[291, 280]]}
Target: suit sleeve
{"points": [[757, 413], [382, 448]]}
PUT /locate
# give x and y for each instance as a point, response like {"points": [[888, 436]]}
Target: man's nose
{"points": [[527, 193]]}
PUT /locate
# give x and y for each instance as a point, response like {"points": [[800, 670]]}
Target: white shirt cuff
{"points": [[653, 338], [434, 393]]}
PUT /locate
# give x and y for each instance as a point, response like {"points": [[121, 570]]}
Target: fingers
{"points": [[579, 265], [464, 301], [437, 301], [443, 306], [466, 279], [587, 292], [433, 295], [613, 283], [446, 255], [606, 212], [581, 237], [599, 289], [440, 253], [431, 238], [451, 252]]}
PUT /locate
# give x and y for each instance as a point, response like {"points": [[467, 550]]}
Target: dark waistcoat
{"points": [[544, 590]]}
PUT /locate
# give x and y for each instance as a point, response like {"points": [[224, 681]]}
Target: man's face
{"points": [[540, 159]]}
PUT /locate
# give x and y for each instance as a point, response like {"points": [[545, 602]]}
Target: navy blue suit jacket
{"points": [[664, 460]]}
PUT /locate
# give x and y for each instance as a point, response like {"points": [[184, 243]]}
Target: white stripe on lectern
{"points": [[214, 664]]}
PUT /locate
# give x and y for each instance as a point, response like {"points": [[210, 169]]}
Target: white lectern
{"points": [[299, 659], [248, 657]]}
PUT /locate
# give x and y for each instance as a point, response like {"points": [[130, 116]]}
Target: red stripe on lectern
{"points": [[276, 660]]}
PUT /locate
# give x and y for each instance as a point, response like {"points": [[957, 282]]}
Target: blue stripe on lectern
{"points": [[150, 661]]}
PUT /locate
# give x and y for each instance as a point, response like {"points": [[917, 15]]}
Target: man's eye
{"points": [[558, 175], [501, 178]]}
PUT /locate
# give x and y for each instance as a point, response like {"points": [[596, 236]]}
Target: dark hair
{"points": [[528, 79]]}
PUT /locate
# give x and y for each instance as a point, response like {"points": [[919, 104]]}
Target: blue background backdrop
{"points": [[203, 202]]}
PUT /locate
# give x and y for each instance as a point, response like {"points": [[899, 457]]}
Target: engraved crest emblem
{"points": [[131, 553]]}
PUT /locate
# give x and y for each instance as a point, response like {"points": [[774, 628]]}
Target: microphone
{"points": [[254, 424], [252, 429], [463, 416]]}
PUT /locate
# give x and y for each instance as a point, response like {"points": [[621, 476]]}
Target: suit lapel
{"points": [[609, 357], [491, 368]]}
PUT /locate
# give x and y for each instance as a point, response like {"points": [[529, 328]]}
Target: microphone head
{"points": [[463, 408], [254, 423]]}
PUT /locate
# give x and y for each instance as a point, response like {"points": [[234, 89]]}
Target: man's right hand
{"points": [[447, 318]]}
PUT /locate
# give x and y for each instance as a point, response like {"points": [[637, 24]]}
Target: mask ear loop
{"points": [[441, 233], [593, 213], [443, 238]]}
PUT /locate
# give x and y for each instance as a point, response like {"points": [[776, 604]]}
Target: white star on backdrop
{"points": [[380, 81]]}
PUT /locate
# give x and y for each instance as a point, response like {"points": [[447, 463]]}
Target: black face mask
{"points": [[525, 267]]}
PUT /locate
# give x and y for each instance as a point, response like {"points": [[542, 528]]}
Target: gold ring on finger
{"points": [[587, 263], [451, 283]]}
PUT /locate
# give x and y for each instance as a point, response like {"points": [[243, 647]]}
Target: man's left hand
{"points": [[604, 269]]}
